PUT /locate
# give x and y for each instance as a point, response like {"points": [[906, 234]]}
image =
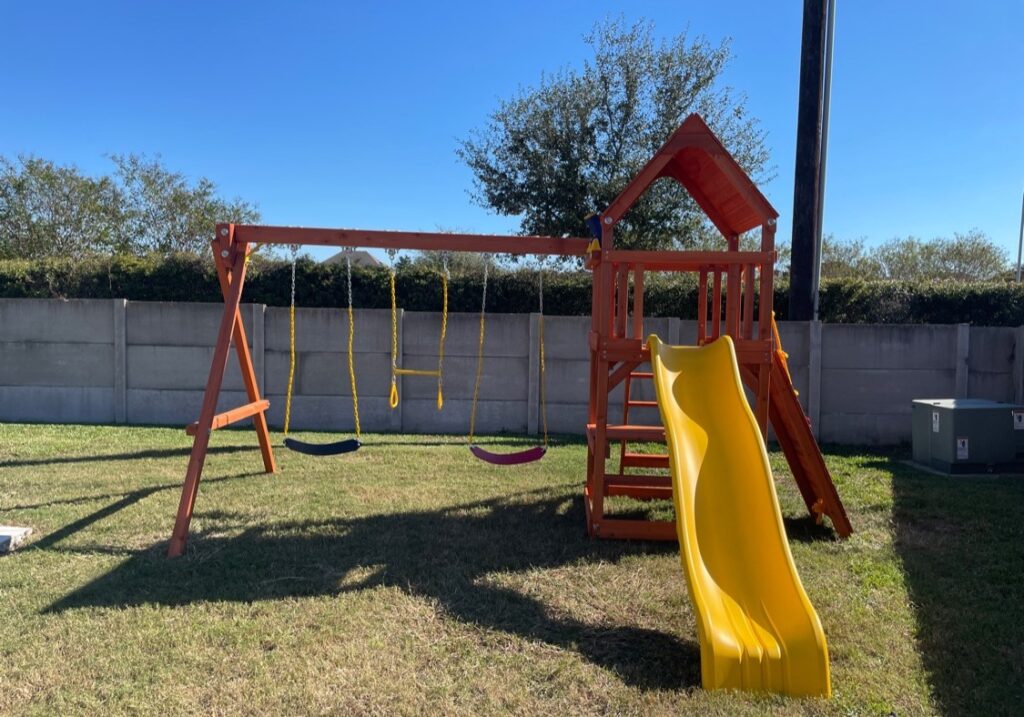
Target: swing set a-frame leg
{"points": [[229, 256]]}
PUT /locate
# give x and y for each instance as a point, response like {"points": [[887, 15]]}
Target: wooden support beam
{"points": [[236, 266], [420, 241], [222, 420]]}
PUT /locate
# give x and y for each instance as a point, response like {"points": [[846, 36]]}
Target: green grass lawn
{"points": [[410, 579]]}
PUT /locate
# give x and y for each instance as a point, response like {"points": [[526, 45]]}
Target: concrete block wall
{"points": [[57, 360], [96, 361]]}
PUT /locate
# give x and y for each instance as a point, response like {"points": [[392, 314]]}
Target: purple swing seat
{"points": [[509, 459]]}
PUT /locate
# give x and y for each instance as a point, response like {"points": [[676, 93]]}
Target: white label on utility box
{"points": [[1018, 420], [935, 421], [962, 450]]}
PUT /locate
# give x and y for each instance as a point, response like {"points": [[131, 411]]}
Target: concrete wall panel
{"points": [[865, 429], [56, 364], [165, 323], [179, 368], [319, 373], [888, 347], [173, 407], [565, 337], [503, 379], [86, 321], [52, 404], [327, 330], [869, 391], [991, 349], [330, 413], [991, 385]]}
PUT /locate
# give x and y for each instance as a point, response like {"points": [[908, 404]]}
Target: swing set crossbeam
{"points": [[413, 241]]}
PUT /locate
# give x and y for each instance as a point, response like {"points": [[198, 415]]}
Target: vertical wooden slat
{"points": [[622, 300], [764, 319], [764, 372], [748, 301], [638, 302], [702, 307], [732, 299], [716, 304]]}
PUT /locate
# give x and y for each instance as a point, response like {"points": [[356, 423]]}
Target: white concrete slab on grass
{"points": [[11, 537]]}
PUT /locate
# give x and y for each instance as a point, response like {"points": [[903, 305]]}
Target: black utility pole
{"points": [[808, 162]]}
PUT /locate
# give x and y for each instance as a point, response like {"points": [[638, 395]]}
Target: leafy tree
{"points": [[841, 259], [554, 152], [164, 212], [49, 210], [965, 257], [141, 207]]}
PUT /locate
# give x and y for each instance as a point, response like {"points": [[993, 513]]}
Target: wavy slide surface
{"points": [[757, 628]]}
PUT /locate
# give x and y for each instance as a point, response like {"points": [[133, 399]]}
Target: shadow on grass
{"points": [[127, 456], [448, 555], [806, 529], [123, 501], [961, 542]]}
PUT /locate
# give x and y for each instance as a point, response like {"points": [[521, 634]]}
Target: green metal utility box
{"points": [[968, 435]]}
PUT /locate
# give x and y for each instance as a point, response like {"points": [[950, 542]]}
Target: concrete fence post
{"points": [[674, 325], [259, 346], [1018, 365], [963, 347], [120, 361], [533, 382], [814, 376]]}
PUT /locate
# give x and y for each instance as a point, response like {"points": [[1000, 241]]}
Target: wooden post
{"points": [[241, 342], [229, 317], [230, 258]]}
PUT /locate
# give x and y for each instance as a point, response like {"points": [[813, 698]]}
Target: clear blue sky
{"points": [[347, 114]]}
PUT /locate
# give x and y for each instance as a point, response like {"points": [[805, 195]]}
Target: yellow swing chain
{"points": [[393, 397], [351, 339], [291, 346], [479, 354], [444, 331]]}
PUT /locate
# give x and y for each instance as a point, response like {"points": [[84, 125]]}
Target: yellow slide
{"points": [[757, 629]]}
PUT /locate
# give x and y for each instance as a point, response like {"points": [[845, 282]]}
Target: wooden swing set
{"points": [[735, 299]]}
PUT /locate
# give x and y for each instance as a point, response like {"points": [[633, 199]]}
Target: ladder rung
{"points": [[630, 432], [643, 404], [222, 420], [645, 460], [642, 374]]}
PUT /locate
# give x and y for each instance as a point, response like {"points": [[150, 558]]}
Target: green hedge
{"points": [[186, 278]]}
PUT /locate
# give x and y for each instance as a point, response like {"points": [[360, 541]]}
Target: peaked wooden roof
{"points": [[694, 157]]}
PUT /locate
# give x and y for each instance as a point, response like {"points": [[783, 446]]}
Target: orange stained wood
{"points": [[419, 241], [230, 319], [728, 280], [695, 158], [222, 420], [241, 344]]}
